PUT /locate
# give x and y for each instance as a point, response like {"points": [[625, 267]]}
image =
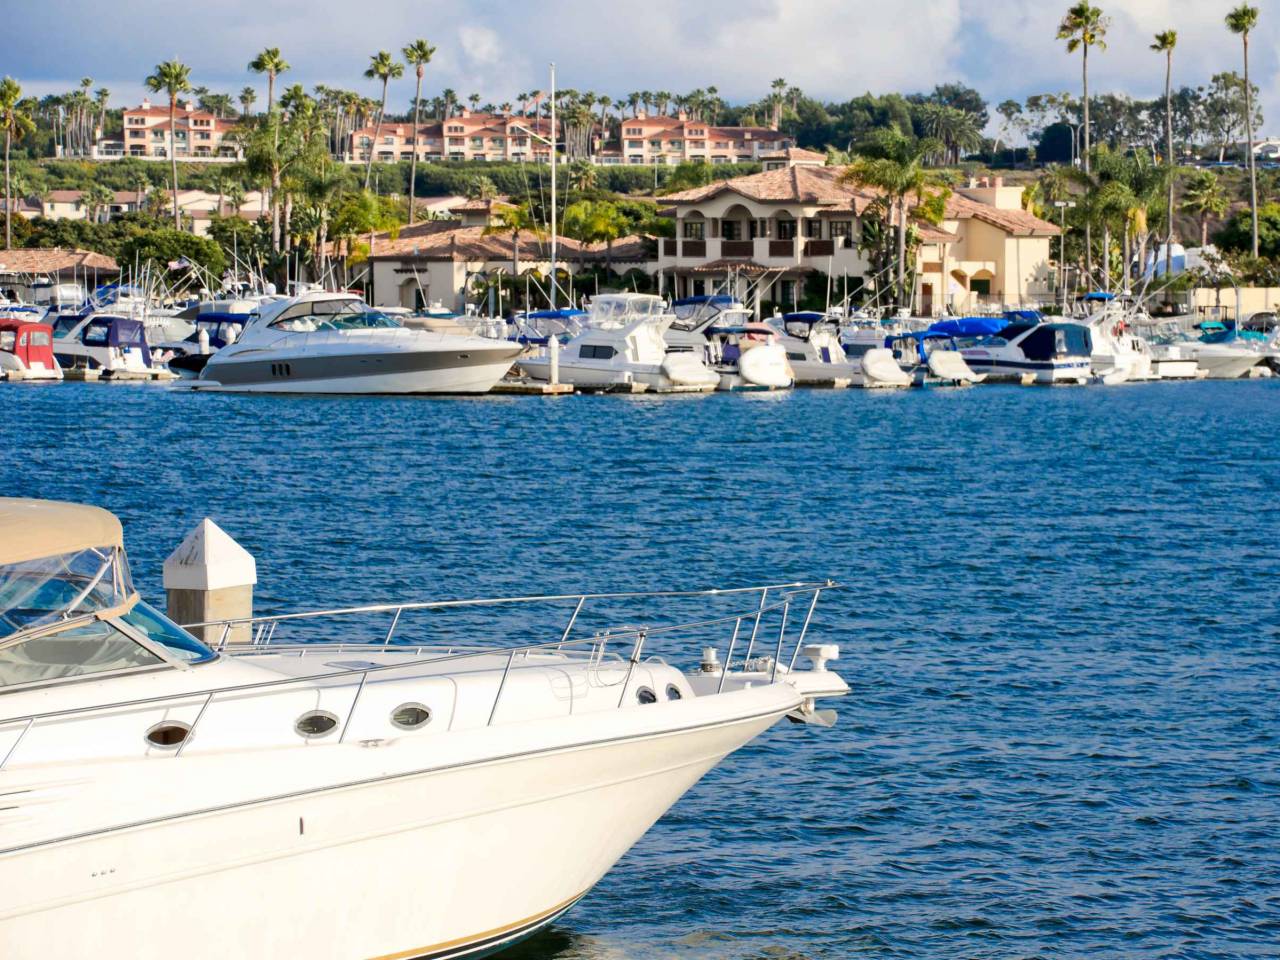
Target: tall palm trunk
{"points": [[173, 157], [902, 251], [377, 132], [413, 158], [1088, 238], [8, 194], [1253, 167], [1168, 146], [275, 161]]}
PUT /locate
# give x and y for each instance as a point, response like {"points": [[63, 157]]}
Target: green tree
{"points": [[17, 124], [1242, 21], [97, 201], [172, 78], [418, 55], [596, 221], [1083, 27], [270, 62], [1238, 236], [894, 164], [248, 96], [514, 220], [382, 66], [1164, 43], [161, 247], [1202, 196]]}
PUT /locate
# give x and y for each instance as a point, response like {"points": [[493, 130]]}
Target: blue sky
{"points": [[832, 49]]}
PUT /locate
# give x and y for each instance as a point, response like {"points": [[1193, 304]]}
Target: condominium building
{"points": [[196, 136], [647, 140], [468, 136]]}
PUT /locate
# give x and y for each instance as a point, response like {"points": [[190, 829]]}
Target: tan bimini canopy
{"points": [[31, 529]]}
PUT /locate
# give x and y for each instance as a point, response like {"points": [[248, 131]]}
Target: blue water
{"points": [[1061, 630]]}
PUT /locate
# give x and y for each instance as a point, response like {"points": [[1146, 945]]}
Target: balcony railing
{"points": [[819, 248], [737, 248], [669, 248], [694, 248], [782, 248]]}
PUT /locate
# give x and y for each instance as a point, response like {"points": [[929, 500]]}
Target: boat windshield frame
{"points": [[310, 316]]}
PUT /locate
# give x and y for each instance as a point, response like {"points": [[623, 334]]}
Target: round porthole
{"points": [[410, 716], [167, 735], [645, 695], [315, 723], [673, 692]]}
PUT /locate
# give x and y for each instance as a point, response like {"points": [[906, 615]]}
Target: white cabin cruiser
{"points": [[335, 343], [148, 775], [1046, 353], [744, 352], [108, 345], [26, 349], [622, 349], [1170, 360], [1119, 354], [814, 350]]}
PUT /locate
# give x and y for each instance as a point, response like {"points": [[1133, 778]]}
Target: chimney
{"points": [[682, 115], [146, 104], [641, 114], [189, 107], [465, 113]]}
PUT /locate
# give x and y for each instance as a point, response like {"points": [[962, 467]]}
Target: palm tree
{"points": [[272, 64], [418, 55], [779, 88], [893, 163], [102, 96], [1164, 43], [96, 201], [172, 78], [1241, 21], [16, 123], [381, 67], [1204, 198], [514, 220], [248, 96], [1083, 27]]}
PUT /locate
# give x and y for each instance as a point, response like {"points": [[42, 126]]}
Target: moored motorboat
{"points": [[102, 345], [322, 342], [744, 352], [814, 350], [621, 349], [26, 351], [148, 773], [1045, 353]]}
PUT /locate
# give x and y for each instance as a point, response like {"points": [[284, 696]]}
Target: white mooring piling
{"points": [[211, 577]]}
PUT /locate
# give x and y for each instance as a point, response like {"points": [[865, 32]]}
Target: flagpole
{"points": [[554, 144]]}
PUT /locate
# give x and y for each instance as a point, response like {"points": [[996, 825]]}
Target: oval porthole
{"points": [[168, 734], [645, 695], [410, 716], [673, 692], [315, 723]]}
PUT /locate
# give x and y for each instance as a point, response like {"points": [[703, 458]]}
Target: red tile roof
{"points": [[55, 260]]}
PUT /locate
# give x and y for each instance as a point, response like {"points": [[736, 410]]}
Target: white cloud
{"points": [[833, 49]]}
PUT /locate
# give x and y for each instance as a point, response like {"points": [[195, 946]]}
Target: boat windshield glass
{"points": [[7, 340], [96, 333], [309, 316], [65, 324], [36, 592]]}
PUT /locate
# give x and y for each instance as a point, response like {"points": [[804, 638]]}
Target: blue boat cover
{"points": [[970, 326], [1099, 295], [126, 332], [561, 314], [721, 300], [805, 316]]}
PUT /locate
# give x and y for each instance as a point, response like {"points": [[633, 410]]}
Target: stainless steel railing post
{"points": [[502, 683], [755, 627], [572, 620], [12, 749], [394, 620], [352, 712], [191, 733], [724, 671], [804, 629], [782, 632], [636, 648]]}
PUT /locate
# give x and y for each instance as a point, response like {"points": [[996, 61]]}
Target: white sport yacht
{"points": [[1046, 353], [1119, 354], [170, 797], [335, 343], [622, 349], [744, 352], [814, 350]]}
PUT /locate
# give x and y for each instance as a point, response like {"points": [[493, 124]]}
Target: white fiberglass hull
{"points": [[475, 379], [11, 368], [111, 361], [421, 852], [1226, 364], [817, 373], [605, 376]]}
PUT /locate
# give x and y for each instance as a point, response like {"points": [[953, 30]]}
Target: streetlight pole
{"points": [[1063, 206]]}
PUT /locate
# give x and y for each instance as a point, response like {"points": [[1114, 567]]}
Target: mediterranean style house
{"points": [[197, 135], [784, 232]]}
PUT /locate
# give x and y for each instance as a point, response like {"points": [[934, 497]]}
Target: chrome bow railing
{"points": [[593, 648]]}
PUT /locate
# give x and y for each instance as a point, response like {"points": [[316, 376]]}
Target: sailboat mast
{"points": [[554, 151]]}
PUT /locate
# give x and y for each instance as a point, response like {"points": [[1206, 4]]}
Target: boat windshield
{"points": [[45, 592], [312, 315], [97, 332], [65, 324]]}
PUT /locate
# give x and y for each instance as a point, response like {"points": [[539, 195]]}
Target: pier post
{"points": [[211, 577], [553, 348]]}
